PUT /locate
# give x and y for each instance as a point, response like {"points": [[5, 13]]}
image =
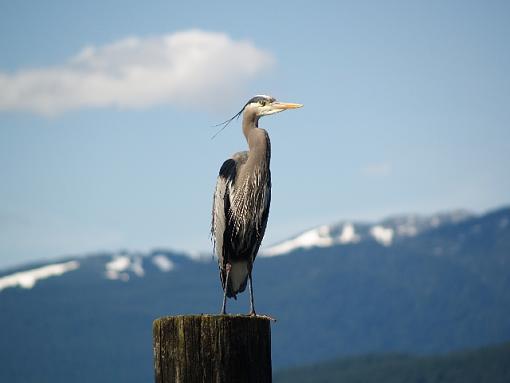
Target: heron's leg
{"points": [[252, 305], [224, 306]]}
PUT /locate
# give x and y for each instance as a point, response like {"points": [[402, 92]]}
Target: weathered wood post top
{"points": [[212, 348]]}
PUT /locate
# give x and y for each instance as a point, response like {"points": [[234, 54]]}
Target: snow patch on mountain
{"points": [[348, 234], [27, 279], [163, 263], [136, 266], [117, 268], [123, 265], [317, 237], [120, 266], [383, 235], [323, 236]]}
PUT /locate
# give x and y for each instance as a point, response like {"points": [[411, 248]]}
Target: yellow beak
{"points": [[286, 105]]}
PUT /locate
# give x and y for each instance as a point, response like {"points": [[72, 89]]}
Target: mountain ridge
{"points": [[441, 290], [384, 231], [342, 226]]}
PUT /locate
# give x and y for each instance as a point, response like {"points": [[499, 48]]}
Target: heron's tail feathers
{"points": [[237, 279]]}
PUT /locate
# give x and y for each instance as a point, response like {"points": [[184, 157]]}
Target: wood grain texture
{"points": [[212, 348]]}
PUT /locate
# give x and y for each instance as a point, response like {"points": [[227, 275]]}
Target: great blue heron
{"points": [[241, 200]]}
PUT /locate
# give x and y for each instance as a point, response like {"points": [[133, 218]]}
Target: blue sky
{"points": [[107, 107]]}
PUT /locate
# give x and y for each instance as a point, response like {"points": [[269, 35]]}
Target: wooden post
{"points": [[212, 348]]}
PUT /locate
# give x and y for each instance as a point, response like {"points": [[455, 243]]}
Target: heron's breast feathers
{"points": [[249, 201]]}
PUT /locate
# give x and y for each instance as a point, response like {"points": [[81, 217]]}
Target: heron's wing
{"points": [[261, 225], [228, 241], [221, 206]]}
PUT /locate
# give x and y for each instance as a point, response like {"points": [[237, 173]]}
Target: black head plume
{"points": [[226, 123], [255, 99]]}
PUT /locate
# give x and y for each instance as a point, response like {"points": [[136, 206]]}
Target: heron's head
{"points": [[259, 106], [262, 105]]}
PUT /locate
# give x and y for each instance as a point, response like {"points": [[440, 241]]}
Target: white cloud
{"points": [[183, 68]]}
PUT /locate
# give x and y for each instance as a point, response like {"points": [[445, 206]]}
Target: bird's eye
{"points": [[262, 102]]}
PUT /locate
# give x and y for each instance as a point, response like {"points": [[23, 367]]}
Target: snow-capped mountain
{"points": [[125, 265], [407, 284], [28, 278], [386, 232], [121, 266]]}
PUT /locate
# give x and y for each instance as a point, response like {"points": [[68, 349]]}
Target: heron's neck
{"points": [[258, 142], [250, 123]]}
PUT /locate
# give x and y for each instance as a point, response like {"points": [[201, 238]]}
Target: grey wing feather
{"points": [[222, 221], [224, 183]]}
